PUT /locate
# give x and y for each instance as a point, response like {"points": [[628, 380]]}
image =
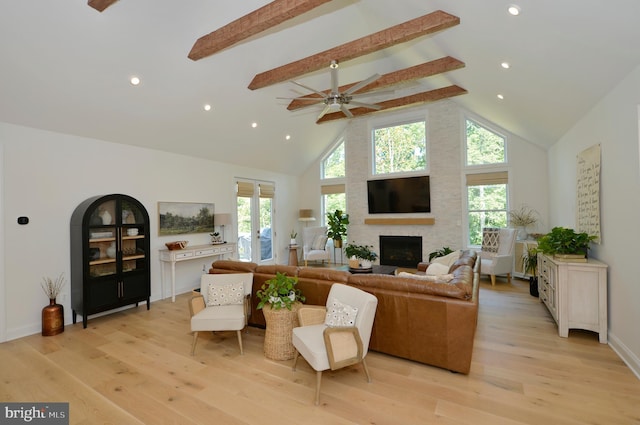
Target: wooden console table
{"points": [[190, 253]]}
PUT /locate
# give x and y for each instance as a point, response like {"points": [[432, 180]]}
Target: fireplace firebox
{"points": [[400, 251]]}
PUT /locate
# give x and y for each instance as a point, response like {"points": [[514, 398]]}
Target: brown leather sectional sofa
{"points": [[431, 323]]}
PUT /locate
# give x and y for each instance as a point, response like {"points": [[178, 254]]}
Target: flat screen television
{"points": [[399, 195]]}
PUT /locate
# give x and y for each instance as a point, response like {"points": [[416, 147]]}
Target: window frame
{"points": [[493, 129], [332, 181], [394, 121]]}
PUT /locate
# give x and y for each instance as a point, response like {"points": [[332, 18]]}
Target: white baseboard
{"points": [[625, 354]]}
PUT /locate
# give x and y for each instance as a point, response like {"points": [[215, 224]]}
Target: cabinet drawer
{"points": [[184, 255], [202, 252]]}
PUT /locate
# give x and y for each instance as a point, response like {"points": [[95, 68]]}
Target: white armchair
{"points": [[314, 244], [496, 256]]}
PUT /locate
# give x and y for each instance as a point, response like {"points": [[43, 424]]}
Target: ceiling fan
{"points": [[334, 100]]}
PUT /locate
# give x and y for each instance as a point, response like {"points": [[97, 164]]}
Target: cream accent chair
{"points": [[231, 317], [314, 245], [497, 254], [325, 347]]}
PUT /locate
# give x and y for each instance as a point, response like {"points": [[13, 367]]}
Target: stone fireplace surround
{"points": [[400, 251]]}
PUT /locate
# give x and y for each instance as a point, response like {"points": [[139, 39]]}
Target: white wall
{"points": [[445, 129], [46, 175], [613, 123]]}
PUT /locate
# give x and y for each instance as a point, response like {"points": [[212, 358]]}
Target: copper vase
{"points": [[52, 318]]}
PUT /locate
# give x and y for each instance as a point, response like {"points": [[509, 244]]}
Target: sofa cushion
{"points": [[277, 268], [437, 269], [320, 273], [239, 266], [409, 285], [436, 278], [319, 243], [448, 259]]}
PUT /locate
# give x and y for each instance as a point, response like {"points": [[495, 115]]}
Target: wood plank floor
{"points": [[134, 367]]}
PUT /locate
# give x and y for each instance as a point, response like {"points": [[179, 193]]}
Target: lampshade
{"points": [[306, 215], [222, 219]]}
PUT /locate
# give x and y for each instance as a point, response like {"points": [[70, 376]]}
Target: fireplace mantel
{"points": [[400, 221]]}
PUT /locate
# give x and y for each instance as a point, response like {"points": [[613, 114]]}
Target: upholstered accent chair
{"points": [[314, 244], [336, 335], [223, 305], [497, 254]]}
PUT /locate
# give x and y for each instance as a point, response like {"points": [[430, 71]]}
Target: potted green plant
{"points": [[292, 237], [279, 292], [530, 266], [565, 244], [337, 222], [361, 255]]}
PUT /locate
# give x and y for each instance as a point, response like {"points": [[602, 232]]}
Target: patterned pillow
{"points": [[490, 239], [319, 242], [340, 315], [230, 293]]}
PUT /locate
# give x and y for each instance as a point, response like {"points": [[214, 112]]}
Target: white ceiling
{"points": [[65, 67]]}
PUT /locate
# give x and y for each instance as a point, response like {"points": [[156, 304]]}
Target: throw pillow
{"points": [[436, 269], [490, 239], [340, 315], [448, 259], [230, 293], [442, 278], [319, 242]]}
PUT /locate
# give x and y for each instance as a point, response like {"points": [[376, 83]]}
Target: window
{"points": [[332, 187], [487, 190], [483, 145], [254, 209], [487, 203], [333, 166], [400, 148]]}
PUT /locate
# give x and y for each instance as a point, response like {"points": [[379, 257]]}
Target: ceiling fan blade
{"points": [[303, 98], [324, 111], [372, 93], [362, 84], [365, 105], [346, 111], [309, 88]]}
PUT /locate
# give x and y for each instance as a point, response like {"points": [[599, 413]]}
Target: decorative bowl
{"points": [[177, 245]]}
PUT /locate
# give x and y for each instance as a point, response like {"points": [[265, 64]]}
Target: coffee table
{"points": [[375, 269]]}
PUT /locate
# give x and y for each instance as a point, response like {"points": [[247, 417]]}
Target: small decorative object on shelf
{"points": [[53, 314], [177, 245], [216, 238]]}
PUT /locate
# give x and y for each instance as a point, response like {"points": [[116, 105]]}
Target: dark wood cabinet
{"points": [[109, 255]]}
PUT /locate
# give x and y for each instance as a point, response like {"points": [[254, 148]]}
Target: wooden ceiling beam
{"points": [[401, 102], [413, 73], [253, 23], [100, 5], [427, 24]]}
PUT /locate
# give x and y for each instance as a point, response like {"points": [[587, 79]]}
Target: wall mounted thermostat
{"points": [[23, 220]]}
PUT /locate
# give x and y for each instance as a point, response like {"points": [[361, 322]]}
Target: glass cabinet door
{"points": [[133, 237], [103, 240]]}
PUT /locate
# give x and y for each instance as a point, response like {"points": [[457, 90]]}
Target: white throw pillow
{"points": [[230, 293], [319, 242], [448, 259], [437, 269], [443, 278], [340, 315]]}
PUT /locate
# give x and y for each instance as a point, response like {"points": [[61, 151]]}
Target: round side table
{"points": [[293, 255], [278, 343]]}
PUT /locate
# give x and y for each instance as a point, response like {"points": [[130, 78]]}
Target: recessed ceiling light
{"points": [[135, 80], [505, 65], [207, 107], [501, 97], [287, 137], [514, 10], [254, 124]]}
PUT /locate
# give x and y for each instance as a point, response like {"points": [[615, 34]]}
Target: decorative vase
{"points": [[106, 217], [111, 251], [365, 264], [52, 319], [522, 233], [337, 243], [292, 241], [533, 286]]}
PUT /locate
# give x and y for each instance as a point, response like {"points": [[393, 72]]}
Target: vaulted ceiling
{"points": [[65, 67]]}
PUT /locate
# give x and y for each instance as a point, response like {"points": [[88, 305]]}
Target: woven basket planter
{"points": [[278, 333]]}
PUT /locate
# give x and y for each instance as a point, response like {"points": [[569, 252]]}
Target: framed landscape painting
{"points": [[177, 218]]}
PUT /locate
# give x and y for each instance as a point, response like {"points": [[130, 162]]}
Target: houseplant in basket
{"points": [[279, 301], [337, 222], [530, 266], [565, 244], [360, 256]]}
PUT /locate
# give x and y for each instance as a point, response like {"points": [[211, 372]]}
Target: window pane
{"points": [[483, 146], [332, 202], [244, 228], [487, 208], [334, 165], [400, 148]]}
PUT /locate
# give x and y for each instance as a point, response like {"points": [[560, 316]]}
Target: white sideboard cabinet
{"points": [[575, 294]]}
